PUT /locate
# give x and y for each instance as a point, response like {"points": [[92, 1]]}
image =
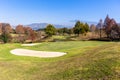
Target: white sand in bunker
{"points": [[44, 54], [32, 44]]}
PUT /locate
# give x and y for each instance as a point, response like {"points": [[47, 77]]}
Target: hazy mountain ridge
{"points": [[36, 26]]}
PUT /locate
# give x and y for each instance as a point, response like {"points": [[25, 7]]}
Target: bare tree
{"points": [[20, 29], [100, 27]]}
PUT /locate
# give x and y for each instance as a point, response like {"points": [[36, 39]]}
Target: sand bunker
{"points": [[32, 44], [44, 54]]}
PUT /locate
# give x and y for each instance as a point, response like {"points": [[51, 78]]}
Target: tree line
{"points": [[79, 28], [6, 30], [108, 29]]}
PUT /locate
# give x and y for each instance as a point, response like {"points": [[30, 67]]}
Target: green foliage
{"points": [[77, 28], [70, 31], [5, 37], [81, 28], [64, 31], [50, 30], [86, 27]]}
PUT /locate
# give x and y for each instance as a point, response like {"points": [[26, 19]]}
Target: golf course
{"points": [[84, 60], [59, 39]]}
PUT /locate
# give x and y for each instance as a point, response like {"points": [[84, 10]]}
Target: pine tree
{"points": [[50, 30]]}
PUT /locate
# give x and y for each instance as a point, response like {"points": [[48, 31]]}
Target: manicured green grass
{"points": [[85, 60], [56, 38]]}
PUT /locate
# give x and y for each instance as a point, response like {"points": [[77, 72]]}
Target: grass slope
{"points": [[86, 60]]}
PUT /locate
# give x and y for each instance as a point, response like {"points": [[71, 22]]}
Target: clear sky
{"points": [[57, 11]]}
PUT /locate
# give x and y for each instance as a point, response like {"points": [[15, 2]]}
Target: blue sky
{"points": [[57, 11]]}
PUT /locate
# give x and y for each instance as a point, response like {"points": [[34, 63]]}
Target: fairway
{"points": [[85, 60]]}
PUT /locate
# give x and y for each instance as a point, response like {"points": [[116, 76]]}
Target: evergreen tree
{"points": [[80, 28], [50, 30], [77, 29], [86, 27], [5, 37]]}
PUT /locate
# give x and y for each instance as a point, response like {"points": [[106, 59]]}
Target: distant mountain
{"points": [[37, 26]]}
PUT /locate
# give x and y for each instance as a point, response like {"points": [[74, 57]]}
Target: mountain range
{"points": [[37, 26]]}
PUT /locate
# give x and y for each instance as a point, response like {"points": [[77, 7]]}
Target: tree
{"points": [[0, 28], [70, 31], [5, 37], [50, 30], [111, 28], [77, 29], [115, 32], [39, 35], [92, 28], [31, 35], [5, 32], [80, 28], [20, 29], [109, 25], [100, 27], [27, 29], [65, 30], [86, 28], [6, 28], [60, 31]]}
